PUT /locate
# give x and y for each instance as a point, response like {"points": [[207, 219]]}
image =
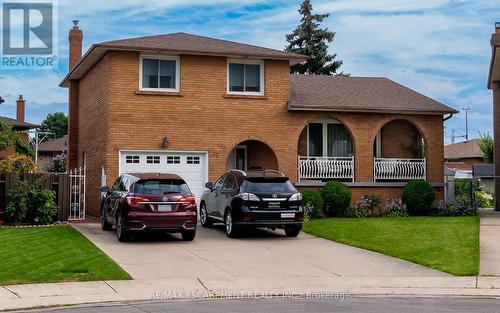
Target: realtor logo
{"points": [[29, 34]]}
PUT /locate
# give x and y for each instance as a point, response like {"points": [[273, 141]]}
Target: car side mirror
{"points": [[209, 185], [105, 189]]}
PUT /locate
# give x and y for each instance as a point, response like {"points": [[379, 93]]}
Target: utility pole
{"points": [[37, 140], [2, 100], [466, 123]]}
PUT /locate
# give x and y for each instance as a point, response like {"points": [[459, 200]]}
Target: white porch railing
{"points": [[326, 168], [399, 169]]}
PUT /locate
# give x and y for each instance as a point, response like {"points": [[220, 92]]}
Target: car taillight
{"points": [[248, 196], [190, 200], [131, 200]]}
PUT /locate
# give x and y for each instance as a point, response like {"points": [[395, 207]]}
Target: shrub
{"points": [[359, 209], [463, 189], [17, 163], [453, 208], [17, 207], [418, 197], [42, 203], [336, 198], [312, 203], [58, 164], [394, 208]]}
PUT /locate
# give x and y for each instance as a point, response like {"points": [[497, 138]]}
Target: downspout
{"points": [[448, 117]]}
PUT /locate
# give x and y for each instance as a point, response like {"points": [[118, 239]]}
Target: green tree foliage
{"points": [[312, 40], [56, 124], [486, 144], [11, 137]]}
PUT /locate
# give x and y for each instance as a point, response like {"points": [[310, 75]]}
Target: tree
{"points": [[309, 39], [56, 124], [487, 146], [8, 136]]}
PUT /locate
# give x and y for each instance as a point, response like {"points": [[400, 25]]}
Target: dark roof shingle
{"points": [[359, 94], [54, 145], [17, 124], [464, 149]]}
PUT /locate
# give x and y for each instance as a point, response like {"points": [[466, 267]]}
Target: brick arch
{"points": [[385, 121], [254, 139], [323, 116]]}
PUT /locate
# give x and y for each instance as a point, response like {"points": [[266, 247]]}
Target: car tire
{"points": [[204, 219], [105, 225], [232, 231], [292, 230], [188, 235], [122, 234]]}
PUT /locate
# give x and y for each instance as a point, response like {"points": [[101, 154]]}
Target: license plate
{"points": [[287, 215], [164, 208]]}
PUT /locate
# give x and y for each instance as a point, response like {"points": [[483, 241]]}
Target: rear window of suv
{"points": [[266, 185], [160, 187]]}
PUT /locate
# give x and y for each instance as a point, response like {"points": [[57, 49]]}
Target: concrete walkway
{"points": [[489, 242], [264, 264]]}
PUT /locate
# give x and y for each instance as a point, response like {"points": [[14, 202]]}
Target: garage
{"points": [[191, 166]]}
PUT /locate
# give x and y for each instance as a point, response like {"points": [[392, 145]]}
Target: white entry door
{"points": [[191, 166]]}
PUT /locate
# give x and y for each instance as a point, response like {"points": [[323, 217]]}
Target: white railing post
{"points": [[325, 168], [399, 169]]}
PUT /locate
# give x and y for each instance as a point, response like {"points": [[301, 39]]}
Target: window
{"points": [[245, 77], [153, 159], [329, 140], [230, 183], [161, 187], [132, 159], [159, 73], [193, 160], [173, 159]]}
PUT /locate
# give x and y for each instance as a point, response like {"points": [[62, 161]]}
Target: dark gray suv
{"points": [[252, 199]]}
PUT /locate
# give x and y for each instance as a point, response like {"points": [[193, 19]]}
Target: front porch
{"points": [[326, 152]]}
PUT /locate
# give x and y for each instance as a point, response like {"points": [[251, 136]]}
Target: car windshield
{"points": [[161, 187], [266, 185]]}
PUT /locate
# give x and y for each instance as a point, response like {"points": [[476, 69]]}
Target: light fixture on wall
{"points": [[165, 142]]}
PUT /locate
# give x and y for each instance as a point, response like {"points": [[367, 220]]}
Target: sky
{"points": [[437, 47]]}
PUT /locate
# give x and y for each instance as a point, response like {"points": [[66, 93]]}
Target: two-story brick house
{"points": [[197, 106]]}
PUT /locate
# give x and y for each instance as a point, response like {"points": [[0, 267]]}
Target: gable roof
{"points": [[464, 149], [54, 145], [17, 124], [179, 43], [359, 94]]}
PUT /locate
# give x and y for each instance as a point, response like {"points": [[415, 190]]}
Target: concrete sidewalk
{"points": [[489, 242]]}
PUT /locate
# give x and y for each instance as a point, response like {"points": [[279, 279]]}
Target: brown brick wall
{"points": [[260, 156], [114, 116], [496, 134], [399, 139]]}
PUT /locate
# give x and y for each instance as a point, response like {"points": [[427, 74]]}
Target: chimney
{"points": [[75, 45], [20, 107], [497, 28]]}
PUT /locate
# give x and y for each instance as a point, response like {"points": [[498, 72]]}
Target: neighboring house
{"points": [[494, 85], [486, 174], [197, 106], [47, 150], [463, 155], [18, 124]]}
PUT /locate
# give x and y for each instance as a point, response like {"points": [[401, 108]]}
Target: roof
{"points": [[494, 71], [160, 176], [464, 149], [54, 145], [483, 170], [17, 124], [457, 166], [359, 94], [179, 43]]}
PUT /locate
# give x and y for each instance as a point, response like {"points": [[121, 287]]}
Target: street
{"points": [[299, 305]]}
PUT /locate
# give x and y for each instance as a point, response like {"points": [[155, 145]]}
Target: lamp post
{"points": [[466, 123]]}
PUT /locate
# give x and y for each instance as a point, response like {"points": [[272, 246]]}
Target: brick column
{"points": [[496, 135]]}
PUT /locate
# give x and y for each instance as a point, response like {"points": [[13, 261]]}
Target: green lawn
{"points": [[449, 244], [49, 254]]}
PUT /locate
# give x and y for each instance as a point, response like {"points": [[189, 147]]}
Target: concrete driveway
{"points": [[262, 255]]}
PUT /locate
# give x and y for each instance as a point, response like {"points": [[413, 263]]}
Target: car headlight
{"points": [[248, 196], [295, 197]]}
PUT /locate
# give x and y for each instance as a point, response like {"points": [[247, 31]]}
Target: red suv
{"points": [[149, 202]]}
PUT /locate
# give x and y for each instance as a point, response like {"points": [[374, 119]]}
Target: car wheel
{"points": [[204, 219], [232, 231], [292, 230], [122, 234], [188, 235], [105, 225]]}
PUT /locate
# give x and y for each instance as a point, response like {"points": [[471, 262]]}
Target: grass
{"points": [[448, 244], [52, 254]]}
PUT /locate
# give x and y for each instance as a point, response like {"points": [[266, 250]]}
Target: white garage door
{"points": [[192, 167]]}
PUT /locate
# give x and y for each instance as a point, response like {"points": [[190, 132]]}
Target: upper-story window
{"points": [[245, 77], [159, 73]]}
